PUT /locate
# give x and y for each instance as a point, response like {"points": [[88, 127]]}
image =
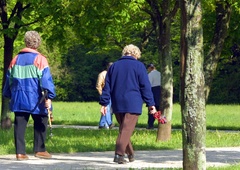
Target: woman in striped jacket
{"points": [[27, 78]]}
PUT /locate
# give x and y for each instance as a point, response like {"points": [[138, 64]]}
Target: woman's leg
{"points": [[20, 123], [127, 122], [40, 132]]}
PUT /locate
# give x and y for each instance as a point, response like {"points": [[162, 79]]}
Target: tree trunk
{"points": [[166, 106], [5, 111], [192, 86], [223, 11], [162, 25], [8, 52]]}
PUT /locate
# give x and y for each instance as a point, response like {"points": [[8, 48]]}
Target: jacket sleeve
{"points": [[100, 83], [47, 83], [6, 89], [105, 96], [46, 80]]}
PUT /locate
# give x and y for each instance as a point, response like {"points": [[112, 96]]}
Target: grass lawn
{"points": [[67, 140], [218, 117]]}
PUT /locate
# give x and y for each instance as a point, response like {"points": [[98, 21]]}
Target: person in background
{"points": [[27, 78], [155, 80], [127, 85], [105, 120]]}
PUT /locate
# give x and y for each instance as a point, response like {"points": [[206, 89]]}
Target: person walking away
{"points": [[105, 120], [27, 77], [127, 85], [155, 81]]}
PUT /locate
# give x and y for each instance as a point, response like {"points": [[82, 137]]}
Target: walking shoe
{"points": [[131, 158], [103, 127], [21, 157], [44, 155], [111, 126], [119, 159]]}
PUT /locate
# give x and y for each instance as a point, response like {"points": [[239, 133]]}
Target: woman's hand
{"points": [[48, 103], [103, 110], [152, 109]]}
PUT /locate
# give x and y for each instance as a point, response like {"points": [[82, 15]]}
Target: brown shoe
{"points": [[131, 158], [111, 126], [21, 157], [44, 155], [119, 159]]}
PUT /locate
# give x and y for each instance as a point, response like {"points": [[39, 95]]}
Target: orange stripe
{"points": [[41, 62]]}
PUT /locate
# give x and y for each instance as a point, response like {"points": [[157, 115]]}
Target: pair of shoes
{"points": [[21, 157], [131, 158], [44, 155], [103, 127], [111, 126], [119, 159]]}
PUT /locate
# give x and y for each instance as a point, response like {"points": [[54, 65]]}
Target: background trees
{"points": [[80, 36]]}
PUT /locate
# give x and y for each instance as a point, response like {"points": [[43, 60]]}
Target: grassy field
{"points": [[218, 117], [67, 140]]}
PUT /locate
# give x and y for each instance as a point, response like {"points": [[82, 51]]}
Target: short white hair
{"points": [[32, 39], [131, 50]]}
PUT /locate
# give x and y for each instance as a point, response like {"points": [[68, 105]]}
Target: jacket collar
{"points": [[30, 50], [127, 57]]}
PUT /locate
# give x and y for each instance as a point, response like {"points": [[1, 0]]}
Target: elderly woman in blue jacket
{"points": [[127, 85], [27, 77]]}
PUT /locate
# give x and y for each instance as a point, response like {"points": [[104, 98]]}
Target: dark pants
{"points": [[156, 95], [127, 123], [40, 131], [151, 119]]}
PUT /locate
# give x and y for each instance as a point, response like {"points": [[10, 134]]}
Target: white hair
{"points": [[32, 39], [131, 50]]}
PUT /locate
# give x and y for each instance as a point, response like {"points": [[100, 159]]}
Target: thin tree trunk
{"points": [[5, 111], [8, 53], [162, 25], [192, 86], [223, 12], [166, 106]]}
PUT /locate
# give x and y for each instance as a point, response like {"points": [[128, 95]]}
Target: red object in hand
{"points": [[161, 119]]}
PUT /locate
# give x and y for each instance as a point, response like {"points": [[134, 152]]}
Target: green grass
{"points": [[218, 117], [67, 140]]}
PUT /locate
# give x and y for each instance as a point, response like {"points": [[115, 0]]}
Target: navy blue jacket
{"points": [[128, 86]]}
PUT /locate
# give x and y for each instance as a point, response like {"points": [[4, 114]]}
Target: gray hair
{"points": [[131, 50], [32, 39]]}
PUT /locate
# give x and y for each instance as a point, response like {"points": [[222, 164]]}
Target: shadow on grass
{"points": [[67, 140]]}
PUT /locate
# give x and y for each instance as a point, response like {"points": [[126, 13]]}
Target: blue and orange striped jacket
{"points": [[27, 77]]}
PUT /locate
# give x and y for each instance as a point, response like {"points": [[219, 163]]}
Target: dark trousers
{"points": [[127, 123], [156, 95], [40, 131], [151, 119]]}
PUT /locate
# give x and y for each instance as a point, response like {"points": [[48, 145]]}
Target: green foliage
{"points": [[226, 87], [79, 71]]}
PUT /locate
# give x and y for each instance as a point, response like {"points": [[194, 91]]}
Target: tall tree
{"points": [[161, 16], [192, 86]]}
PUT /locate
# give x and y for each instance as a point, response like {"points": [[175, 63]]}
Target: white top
{"points": [[154, 78]]}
